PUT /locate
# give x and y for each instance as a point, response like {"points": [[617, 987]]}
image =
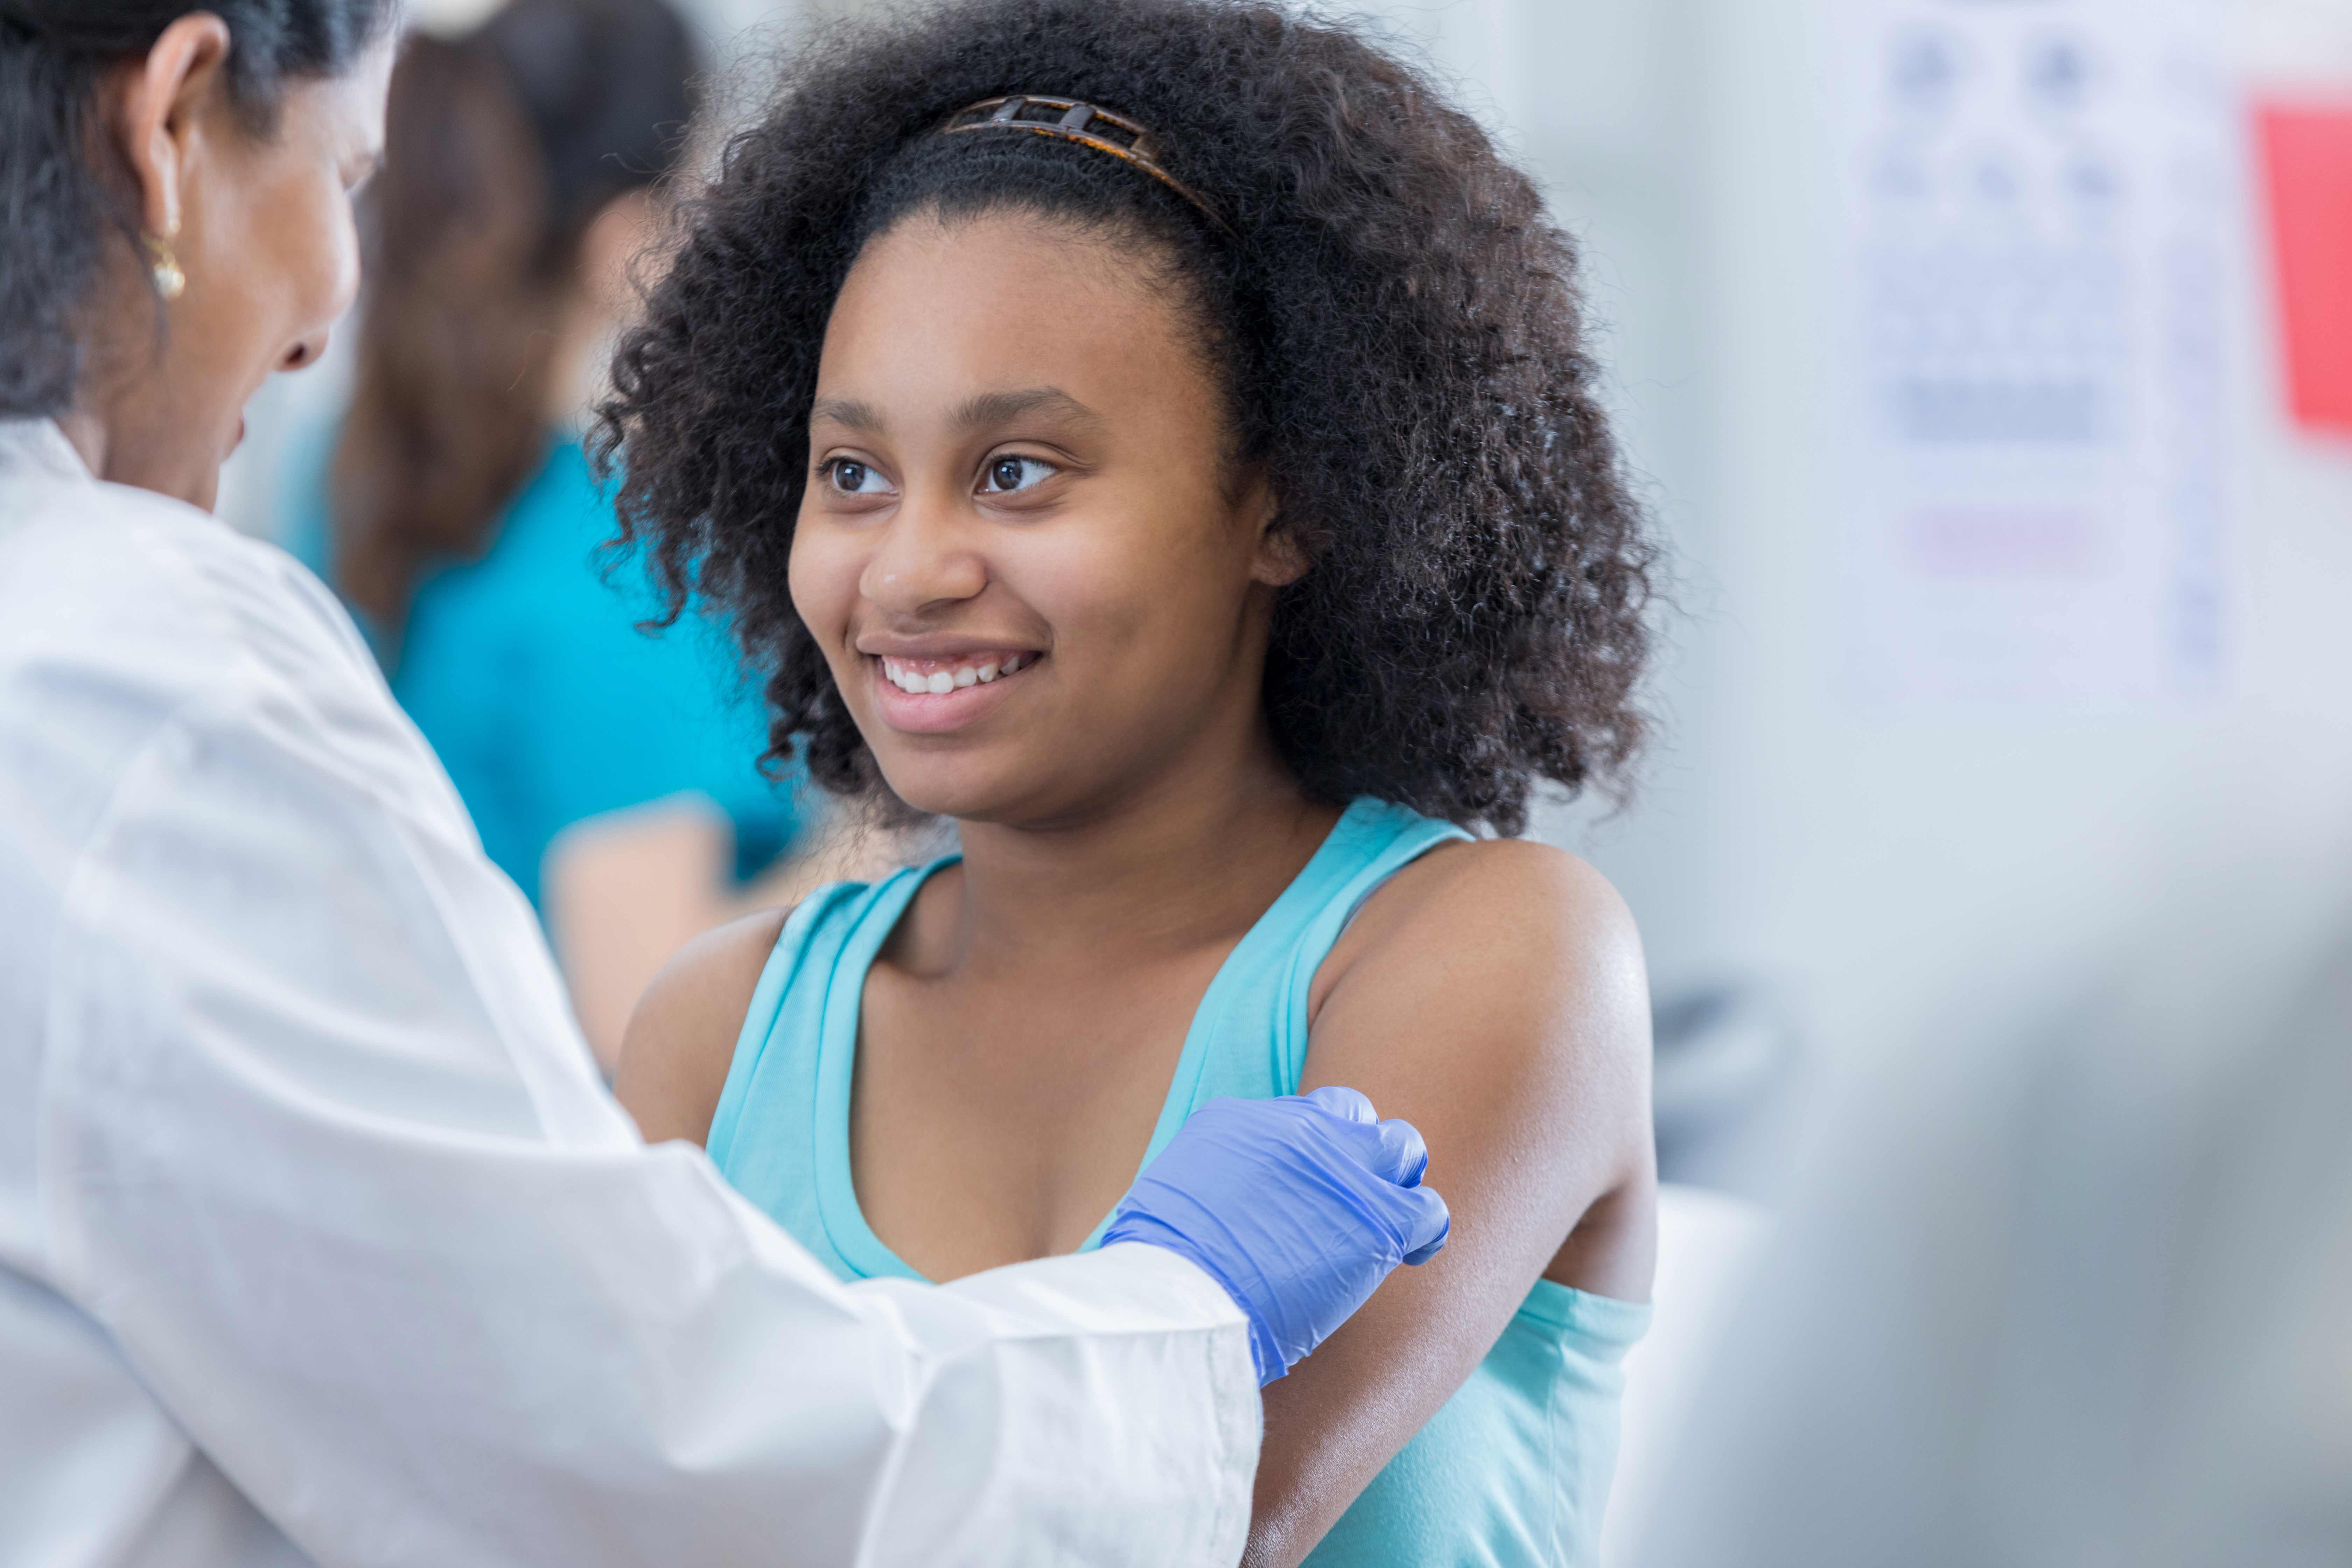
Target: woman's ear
{"points": [[1281, 558], [156, 118]]}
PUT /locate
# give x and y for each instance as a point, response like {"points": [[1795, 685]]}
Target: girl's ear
{"points": [[1281, 558]]}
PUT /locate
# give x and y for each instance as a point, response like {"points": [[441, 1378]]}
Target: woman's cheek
{"points": [[301, 220]]}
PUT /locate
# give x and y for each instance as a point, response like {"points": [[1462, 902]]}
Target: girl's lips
{"points": [[934, 712]]}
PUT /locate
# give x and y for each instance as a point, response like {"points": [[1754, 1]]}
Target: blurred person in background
{"points": [[1192, 484], [320, 1240], [454, 513]]}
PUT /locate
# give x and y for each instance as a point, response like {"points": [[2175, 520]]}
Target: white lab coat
{"points": [[320, 1239]]}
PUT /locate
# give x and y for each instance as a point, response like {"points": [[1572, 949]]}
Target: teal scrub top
{"points": [[527, 672]]}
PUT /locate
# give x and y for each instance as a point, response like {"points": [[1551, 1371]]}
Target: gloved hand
{"points": [[1298, 1207]]}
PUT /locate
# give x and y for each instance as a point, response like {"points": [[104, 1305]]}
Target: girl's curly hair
{"points": [[1396, 322]]}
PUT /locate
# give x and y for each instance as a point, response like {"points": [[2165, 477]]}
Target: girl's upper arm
{"points": [[1493, 995], [681, 1039]]}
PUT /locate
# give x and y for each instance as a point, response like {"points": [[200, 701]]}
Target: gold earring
{"points": [[169, 281]]}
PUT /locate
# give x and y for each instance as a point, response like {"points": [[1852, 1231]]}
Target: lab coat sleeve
{"points": [[322, 1148]]}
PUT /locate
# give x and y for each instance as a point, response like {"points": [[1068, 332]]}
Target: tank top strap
{"points": [[1375, 841], [771, 1133], [1248, 1039]]}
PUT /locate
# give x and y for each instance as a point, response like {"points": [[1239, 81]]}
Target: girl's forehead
{"points": [[1007, 252], [1005, 301]]}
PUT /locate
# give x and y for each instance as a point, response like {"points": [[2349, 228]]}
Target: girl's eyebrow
{"points": [[988, 408], [848, 412], [997, 407]]}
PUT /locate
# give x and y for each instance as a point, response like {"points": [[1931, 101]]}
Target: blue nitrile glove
{"points": [[1298, 1207]]}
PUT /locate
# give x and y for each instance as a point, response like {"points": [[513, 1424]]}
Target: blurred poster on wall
{"points": [[2307, 167], [2042, 215]]}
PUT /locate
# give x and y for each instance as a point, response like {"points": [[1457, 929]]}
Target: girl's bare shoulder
{"points": [[1496, 904], [681, 1038]]}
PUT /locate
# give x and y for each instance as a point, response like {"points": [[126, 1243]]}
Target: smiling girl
{"points": [[1159, 436]]}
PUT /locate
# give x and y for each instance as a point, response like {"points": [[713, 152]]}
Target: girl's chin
{"points": [[966, 789]]}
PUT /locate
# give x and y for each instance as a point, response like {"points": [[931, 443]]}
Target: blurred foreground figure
{"points": [[2086, 1300]]}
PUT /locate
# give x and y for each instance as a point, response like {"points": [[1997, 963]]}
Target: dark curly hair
{"points": [[1397, 323]]}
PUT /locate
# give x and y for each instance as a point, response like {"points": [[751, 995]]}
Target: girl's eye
{"points": [[1005, 475], [851, 476]]}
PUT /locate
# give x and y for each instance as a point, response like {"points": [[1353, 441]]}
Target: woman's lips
{"points": [[937, 696]]}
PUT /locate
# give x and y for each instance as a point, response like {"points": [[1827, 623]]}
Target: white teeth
{"points": [[939, 682]]}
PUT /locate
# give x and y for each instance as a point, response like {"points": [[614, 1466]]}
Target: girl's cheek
{"points": [[1108, 594], [1071, 579], [824, 582]]}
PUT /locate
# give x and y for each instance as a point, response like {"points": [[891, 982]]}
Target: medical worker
{"points": [[319, 1240]]}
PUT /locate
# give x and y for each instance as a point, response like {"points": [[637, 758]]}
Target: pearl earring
{"points": [[169, 281]]}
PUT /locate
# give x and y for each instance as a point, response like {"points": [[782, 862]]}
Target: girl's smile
{"points": [[937, 694], [1040, 577]]}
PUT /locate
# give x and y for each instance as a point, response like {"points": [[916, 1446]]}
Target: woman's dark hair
{"points": [[1395, 318], [62, 188], [501, 147]]}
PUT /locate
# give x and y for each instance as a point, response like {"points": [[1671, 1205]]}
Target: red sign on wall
{"points": [[2307, 158]]}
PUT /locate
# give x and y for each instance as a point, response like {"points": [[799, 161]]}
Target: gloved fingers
{"points": [[1347, 1104], [1426, 1224], [1404, 1157], [1296, 1206], [1394, 1151], [1390, 1150]]}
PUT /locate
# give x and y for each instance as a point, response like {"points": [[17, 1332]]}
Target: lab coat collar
{"points": [[37, 445]]}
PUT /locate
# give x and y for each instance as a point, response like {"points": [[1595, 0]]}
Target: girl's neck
{"points": [[1184, 860]]}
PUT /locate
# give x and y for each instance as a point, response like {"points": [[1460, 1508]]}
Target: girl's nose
{"points": [[921, 559]]}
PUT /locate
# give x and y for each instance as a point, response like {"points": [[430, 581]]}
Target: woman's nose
{"points": [[922, 558]]}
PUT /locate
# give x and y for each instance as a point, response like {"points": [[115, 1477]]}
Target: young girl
{"points": [[1159, 434]]}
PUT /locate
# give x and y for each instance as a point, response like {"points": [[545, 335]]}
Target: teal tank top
{"points": [[1511, 1472]]}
